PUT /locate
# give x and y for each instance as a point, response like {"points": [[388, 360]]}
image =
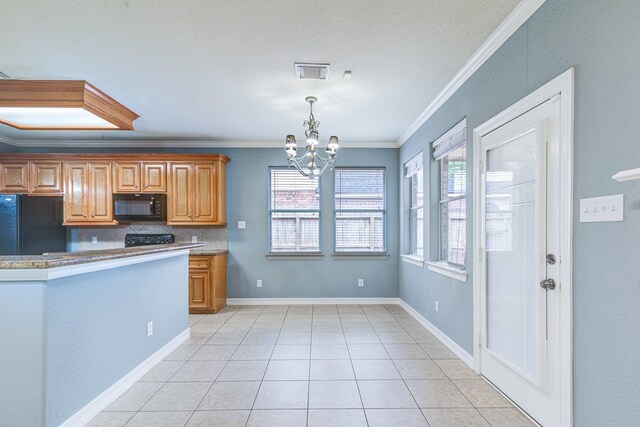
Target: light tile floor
{"points": [[303, 365]]}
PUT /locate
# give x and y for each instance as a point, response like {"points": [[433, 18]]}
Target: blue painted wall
{"points": [[247, 200], [6, 148], [96, 328], [67, 340], [22, 354], [600, 39]]}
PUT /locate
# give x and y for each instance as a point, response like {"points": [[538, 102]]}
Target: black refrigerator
{"points": [[31, 225]]}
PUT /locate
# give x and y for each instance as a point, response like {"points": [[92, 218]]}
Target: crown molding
{"points": [[520, 14], [30, 143], [8, 141]]}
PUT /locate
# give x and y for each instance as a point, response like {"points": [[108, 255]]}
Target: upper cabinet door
{"points": [[180, 209], [14, 177], [204, 194], [46, 177], [126, 177], [101, 197], [76, 201], [154, 177]]}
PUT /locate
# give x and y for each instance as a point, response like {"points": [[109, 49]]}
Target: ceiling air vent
{"points": [[312, 71]]}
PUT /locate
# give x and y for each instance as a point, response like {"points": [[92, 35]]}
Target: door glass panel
{"points": [[511, 232]]}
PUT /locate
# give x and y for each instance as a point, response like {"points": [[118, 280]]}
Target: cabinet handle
{"points": [[93, 216]]}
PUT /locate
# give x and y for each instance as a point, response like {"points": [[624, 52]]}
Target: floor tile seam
{"points": [[405, 381], [366, 419], [401, 377], [253, 404], [223, 368]]}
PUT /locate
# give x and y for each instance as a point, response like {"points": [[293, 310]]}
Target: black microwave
{"points": [[140, 207]]}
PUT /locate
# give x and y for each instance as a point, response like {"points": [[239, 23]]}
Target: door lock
{"points": [[548, 284]]}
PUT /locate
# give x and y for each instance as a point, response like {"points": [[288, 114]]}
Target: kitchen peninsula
{"points": [[79, 328]]}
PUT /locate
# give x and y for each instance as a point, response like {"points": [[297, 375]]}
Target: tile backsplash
{"points": [[80, 238]]}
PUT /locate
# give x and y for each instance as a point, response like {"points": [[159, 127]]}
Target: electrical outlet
{"points": [[437, 306], [94, 240], [360, 282], [259, 283], [242, 225], [194, 239], [149, 329]]}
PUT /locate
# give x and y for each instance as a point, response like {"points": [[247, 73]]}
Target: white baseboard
{"points": [[104, 399], [305, 301], [441, 336]]}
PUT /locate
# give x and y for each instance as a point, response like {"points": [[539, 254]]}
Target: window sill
{"points": [[360, 255], [413, 260], [295, 255], [448, 270]]}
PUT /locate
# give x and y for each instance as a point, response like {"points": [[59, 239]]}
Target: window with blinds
{"points": [[294, 212], [360, 202], [414, 173], [451, 152]]}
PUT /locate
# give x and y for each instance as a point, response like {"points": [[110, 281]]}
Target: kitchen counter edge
{"points": [[31, 262]]}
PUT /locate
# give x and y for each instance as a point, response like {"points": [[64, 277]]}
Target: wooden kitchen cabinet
{"points": [[154, 177], [207, 283], [45, 177], [139, 177], [126, 177], [14, 177], [88, 198], [37, 177], [196, 194]]}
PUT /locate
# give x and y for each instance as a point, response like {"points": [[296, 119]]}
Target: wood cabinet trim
{"points": [[71, 157]]}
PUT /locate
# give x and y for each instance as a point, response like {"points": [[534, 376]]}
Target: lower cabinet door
{"points": [[199, 290]]}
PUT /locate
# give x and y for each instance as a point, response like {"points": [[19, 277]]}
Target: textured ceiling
{"points": [[223, 70]]}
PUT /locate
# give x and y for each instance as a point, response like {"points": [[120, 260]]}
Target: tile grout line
{"points": [[404, 381], [268, 362], [219, 373], [355, 378]]}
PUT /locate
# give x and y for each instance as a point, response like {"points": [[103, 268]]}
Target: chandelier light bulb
{"points": [[313, 138]]}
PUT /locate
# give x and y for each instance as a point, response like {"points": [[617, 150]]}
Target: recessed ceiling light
{"points": [[61, 105], [312, 71]]}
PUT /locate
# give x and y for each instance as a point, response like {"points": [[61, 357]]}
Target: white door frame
{"points": [[563, 85]]}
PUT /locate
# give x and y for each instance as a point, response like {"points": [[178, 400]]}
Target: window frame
{"points": [[270, 212], [414, 167], [384, 213], [447, 140]]}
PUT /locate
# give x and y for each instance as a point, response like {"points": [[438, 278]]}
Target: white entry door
{"points": [[519, 280]]}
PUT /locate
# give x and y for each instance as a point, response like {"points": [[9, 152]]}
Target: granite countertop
{"points": [[208, 252], [62, 259]]}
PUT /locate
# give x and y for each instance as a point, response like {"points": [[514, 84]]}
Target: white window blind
{"points": [[360, 210], [414, 172], [294, 212], [450, 151]]}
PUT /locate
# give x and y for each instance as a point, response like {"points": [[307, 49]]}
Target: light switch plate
{"points": [[602, 209], [242, 225]]}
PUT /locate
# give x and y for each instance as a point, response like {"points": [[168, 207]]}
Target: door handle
{"points": [[548, 284]]}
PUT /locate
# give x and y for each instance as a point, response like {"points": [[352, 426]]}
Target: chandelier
{"points": [[315, 163]]}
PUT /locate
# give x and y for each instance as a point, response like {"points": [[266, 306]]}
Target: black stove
{"points": [[147, 239]]}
